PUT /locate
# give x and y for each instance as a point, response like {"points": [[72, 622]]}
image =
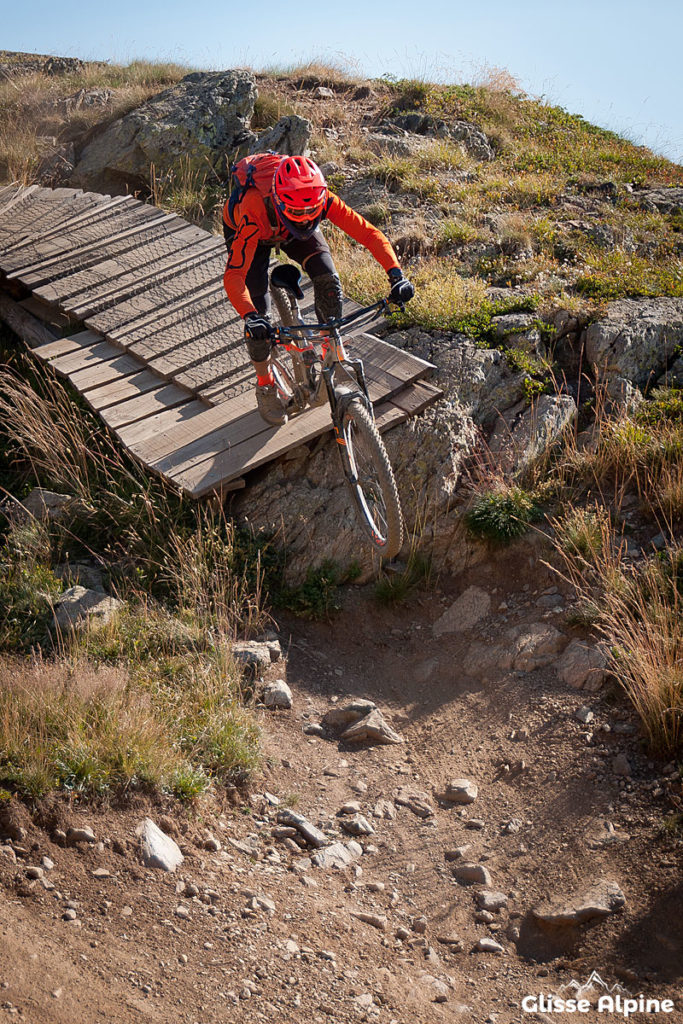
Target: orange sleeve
{"points": [[362, 231], [251, 223]]}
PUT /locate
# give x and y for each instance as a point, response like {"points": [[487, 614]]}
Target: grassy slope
{"points": [[527, 218]]}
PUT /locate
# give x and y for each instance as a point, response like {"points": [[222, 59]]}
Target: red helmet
{"points": [[299, 194]]}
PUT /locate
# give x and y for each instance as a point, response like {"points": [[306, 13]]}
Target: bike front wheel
{"points": [[371, 479]]}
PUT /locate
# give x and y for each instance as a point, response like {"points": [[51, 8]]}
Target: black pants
{"points": [[313, 255]]}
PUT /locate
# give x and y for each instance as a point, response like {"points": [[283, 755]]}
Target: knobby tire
{"points": [[371, 479]]}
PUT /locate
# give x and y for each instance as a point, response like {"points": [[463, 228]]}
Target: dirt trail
{"points": [[266, 936]]}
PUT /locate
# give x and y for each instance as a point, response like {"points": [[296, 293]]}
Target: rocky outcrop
{"points": [[636, 339], [472, 139], [291, 135], [202, 121], [663, 200]]}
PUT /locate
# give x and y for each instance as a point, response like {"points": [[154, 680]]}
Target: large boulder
{"points": [[524, 433], [203, 122], [290, 136], [636, 339]]}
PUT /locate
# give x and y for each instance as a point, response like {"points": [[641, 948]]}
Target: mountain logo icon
{"points": [[593, 985]]}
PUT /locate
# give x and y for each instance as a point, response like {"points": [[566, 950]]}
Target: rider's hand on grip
{"points": [[401, 289], [257, 327]]}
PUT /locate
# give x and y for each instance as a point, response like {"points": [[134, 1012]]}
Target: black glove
{"points": [[257, 327], [401, 290]]}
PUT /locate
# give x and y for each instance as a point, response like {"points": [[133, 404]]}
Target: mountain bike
{"points": [[311, 367]]}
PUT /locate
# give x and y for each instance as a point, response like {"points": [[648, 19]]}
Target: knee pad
{"points": [[258, 349], [329, 298]]}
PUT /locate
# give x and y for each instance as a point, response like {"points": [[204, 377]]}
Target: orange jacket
{"points": [[252, 226]]}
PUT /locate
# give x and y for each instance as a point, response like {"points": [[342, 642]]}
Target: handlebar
{"points": [[335, 324]]}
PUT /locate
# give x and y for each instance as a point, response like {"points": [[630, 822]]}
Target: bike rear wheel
{"points": [[371, 479]]}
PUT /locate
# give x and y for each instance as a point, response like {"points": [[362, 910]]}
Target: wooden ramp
{"points": [[144, 331]]}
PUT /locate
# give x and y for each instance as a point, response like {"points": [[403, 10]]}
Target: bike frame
{"points": [[334, 354]]}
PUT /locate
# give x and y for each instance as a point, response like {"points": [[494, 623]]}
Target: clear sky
{"points": [[617, 62]]}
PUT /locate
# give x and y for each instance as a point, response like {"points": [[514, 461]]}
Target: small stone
{"points": [[453, 941], [601, 900], [182, 912], [212, 844], [621, 765], [484, 917], [126, 911], [80, 835], [419, 925], [350, 807], [473, 605], [487, 945], [47, 863], [314, 729], [584, 715], [358, 826], [512, 827], [378, 921], [491, 901], [101, 873], [33, 872], [460, 791], [278, 695], [373, 728], [69, 915], [384, 809], [402, 933], [312, 835], [158, 849], [415, 800], [472, 873], [457, 853], [337, 855], [476, 824]]}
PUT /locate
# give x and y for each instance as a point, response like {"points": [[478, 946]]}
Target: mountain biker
{"points": [[288, 216]]}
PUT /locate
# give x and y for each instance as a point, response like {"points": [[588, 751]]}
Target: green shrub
{"points": [[501, 516]]}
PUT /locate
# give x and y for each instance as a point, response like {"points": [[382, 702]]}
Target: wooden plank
{"points": [[201, 311], [30, 330], [122, 389], [25, 216], [175, 437], [260, 447], [227, 386], [137, 325], [99, 352], [37, 274], [388, 415], [59, 347], [393, 360], [31, 253], [17, 199], [417, 397], [178, 292], [48, 314], [179, 349], [97, 205], [154, 426], [58, 214], [202, 376], [134, 283], [139, 408], [82, 340], [112, 271], [103, 372]]}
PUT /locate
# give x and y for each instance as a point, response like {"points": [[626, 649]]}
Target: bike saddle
{"points": [[287, 276]]}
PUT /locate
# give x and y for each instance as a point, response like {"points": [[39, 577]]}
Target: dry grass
{"points": [[638, 610], [33, 110]]}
